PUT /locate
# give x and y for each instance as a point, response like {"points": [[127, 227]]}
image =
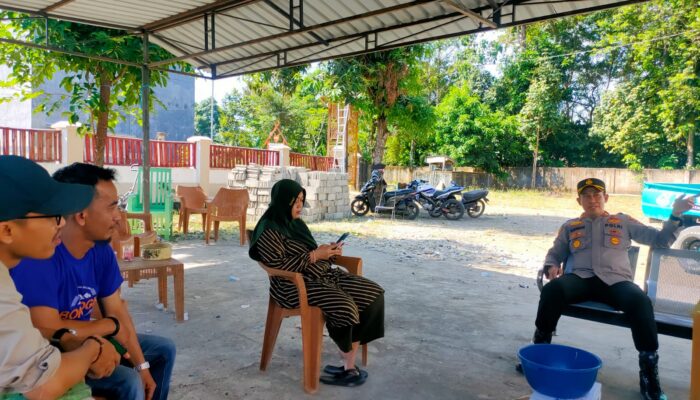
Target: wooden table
{"points": [[138, 268]]}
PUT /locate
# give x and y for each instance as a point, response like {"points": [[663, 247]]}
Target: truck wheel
{"points": [[688, 239]]}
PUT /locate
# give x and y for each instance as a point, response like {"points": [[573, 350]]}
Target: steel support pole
{"points": [[145, 116]]}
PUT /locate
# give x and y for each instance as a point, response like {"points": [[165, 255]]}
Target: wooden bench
{"points": [[672, 282]]}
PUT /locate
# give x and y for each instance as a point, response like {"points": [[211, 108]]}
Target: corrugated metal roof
{"points": [[243, 36]]}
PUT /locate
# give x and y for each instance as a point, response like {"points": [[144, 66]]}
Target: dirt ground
{"points": [[460, 300]]}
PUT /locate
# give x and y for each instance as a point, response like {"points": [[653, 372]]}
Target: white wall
{"points": [[51, 167], [180, 176], [218, 178], [211, 180]]}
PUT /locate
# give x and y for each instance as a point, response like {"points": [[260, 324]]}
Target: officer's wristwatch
{"points": [[674, 218], [142, 366]]}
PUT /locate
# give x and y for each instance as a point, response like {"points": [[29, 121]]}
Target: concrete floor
{"points": [[452, 332]]}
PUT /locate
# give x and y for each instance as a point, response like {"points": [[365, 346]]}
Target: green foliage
{"points": [[613, 88], [539, 116], [469, 132], [374, 83], [202, 118], [659, 83], [100, 93], [247, 117], [413, 119], [626, 122]]}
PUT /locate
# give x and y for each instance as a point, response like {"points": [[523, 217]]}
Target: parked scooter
{"points": [[439, 202], [398, 202], [475, 201]]}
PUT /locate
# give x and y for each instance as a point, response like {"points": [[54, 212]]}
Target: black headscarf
{"points": [[278, 217]]}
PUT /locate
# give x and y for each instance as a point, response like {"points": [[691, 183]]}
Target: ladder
{"points": [[339, 149]]}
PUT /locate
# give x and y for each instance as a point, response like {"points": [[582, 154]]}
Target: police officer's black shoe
{"points": [[649, 384], [538, 338], [541, 337]]}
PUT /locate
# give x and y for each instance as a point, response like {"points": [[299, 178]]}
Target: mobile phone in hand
{"points": [[342, 237]]}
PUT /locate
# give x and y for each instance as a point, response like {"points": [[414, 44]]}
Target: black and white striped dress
{"points": [[341, 296]]}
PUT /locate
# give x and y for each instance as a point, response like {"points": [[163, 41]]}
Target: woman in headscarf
{"points": [[352, 306]]}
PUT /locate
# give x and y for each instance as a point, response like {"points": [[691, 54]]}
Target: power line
{"points": [[620, 45]]}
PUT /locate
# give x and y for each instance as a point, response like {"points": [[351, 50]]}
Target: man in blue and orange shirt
{"points": [[84, 273]]}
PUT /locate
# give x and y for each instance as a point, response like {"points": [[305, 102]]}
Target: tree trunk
{"points": [[535, 154], [522, 37], [382, 134], [690, 148], [102, 117], [413, 150]]}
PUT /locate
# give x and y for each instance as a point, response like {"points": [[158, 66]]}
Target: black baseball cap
{"points": [[590, 182], [27, 187]]}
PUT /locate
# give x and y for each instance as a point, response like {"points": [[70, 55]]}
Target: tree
{"points": [[233, 119], [373, 83], [99, 92], [469, 132], [287, 95], [439, 68], [626, 122], [661, 64], [413, 120], [540, 117], [202, 118]]}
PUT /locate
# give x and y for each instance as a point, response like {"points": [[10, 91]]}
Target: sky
{"points": [[202, 88]]}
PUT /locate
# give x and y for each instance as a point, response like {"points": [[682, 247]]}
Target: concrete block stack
{"points": [[237, 177], [326, 192], [327, 195]]}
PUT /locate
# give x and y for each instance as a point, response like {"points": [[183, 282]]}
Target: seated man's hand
{"points": [[106, 362], [148, 383], [552, 271]]}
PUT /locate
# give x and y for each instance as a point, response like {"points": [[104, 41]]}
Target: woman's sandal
{"points": [[349, 378], [333, 370]]}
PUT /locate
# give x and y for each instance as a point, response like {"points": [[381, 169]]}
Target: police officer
{"points": [[594, 247]]}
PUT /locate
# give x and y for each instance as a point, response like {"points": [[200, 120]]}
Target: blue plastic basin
{"points": [[559, 371]]}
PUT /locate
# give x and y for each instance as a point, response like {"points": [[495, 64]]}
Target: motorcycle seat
{"points": [[439, 193], [474, 195]]}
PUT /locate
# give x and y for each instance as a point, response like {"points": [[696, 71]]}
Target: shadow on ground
{"points": [[452, 331]]}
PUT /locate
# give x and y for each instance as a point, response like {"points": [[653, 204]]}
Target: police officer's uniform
{"points": [[599, 247], [597, 267]]}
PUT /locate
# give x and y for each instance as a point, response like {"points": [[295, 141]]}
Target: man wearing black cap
{"points": [[31, 209], [594, 248], [86, 275]]}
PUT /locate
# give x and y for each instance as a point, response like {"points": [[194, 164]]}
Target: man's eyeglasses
{"points": [[57, 217]]}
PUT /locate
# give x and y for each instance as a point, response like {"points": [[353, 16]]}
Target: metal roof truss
{"points": [[233, 37]]}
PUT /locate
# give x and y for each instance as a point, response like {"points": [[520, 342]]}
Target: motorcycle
{"points": [[475, 201], [438, 202], [398, 202]]}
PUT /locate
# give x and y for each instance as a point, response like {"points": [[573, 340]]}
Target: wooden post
{"points": [[695, 356]]}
